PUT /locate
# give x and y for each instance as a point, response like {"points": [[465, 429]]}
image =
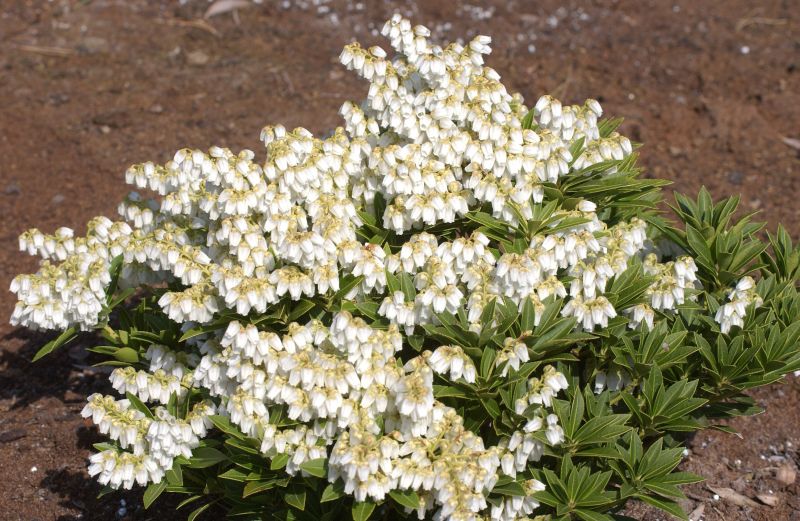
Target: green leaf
{"points": [[254, 487], [607, 126], [127, 355], [368, 309], [300, 308], [406, 498], [509, 488], [332, 492], [491, 406], [345, 286], [416, 342], [663, 489], [297, 499], [487, 314], [489, 222], [527, 120], [103, 350], [172, 404], [447, 391], [188, 500], [392, 282], [208, 328], [114, 269], [248, 445], [67, 336], [487, 359], [591, 515], [407, 286], [681, 478], [137, 404], [204, 457], [528, 316], [606, 452], [362, 511], [602, 429], [196, 512], [175, 475], [153, 491], [234, 474], [316, 467], [106, 490], [667, 506], [224, 424], [119, 299], [279, 461], [575, 414]]}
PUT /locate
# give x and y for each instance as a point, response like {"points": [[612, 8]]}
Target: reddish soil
{"points": [[88, 87]]}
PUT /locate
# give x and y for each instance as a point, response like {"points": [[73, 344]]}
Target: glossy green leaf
{"points": [[316, 467], [406, 498], [152, 492], [361, 511]]}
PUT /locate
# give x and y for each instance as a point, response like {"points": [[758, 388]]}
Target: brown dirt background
{"points": [[88, 87]]}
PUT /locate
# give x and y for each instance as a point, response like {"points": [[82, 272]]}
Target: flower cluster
{"points": [[437, 141], [740, 298], [149, 445]]}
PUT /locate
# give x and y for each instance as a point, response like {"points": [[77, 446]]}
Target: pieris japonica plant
{"points": [[455, 307]]}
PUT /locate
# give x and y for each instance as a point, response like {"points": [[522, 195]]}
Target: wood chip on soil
{"points": [[730, 495], [225, 6]]}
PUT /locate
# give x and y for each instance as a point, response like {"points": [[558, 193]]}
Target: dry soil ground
{"points": [[88, 87]]}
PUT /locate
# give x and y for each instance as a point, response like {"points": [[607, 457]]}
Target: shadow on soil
{"points": [[79, 493], [65, 374], [23, 382], [76, 492]]}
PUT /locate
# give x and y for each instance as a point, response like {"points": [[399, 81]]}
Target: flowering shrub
{"points": [[452, 308]]}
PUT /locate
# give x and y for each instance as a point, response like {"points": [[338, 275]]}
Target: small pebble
{"points": [[745, 49], [198, 58], [786, 474], [93, 44], [12, 189], [34, 469], [736, 177]]}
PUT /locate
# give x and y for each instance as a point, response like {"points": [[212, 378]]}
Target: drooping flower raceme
{"points": [[437, 139], [733, 312]]}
